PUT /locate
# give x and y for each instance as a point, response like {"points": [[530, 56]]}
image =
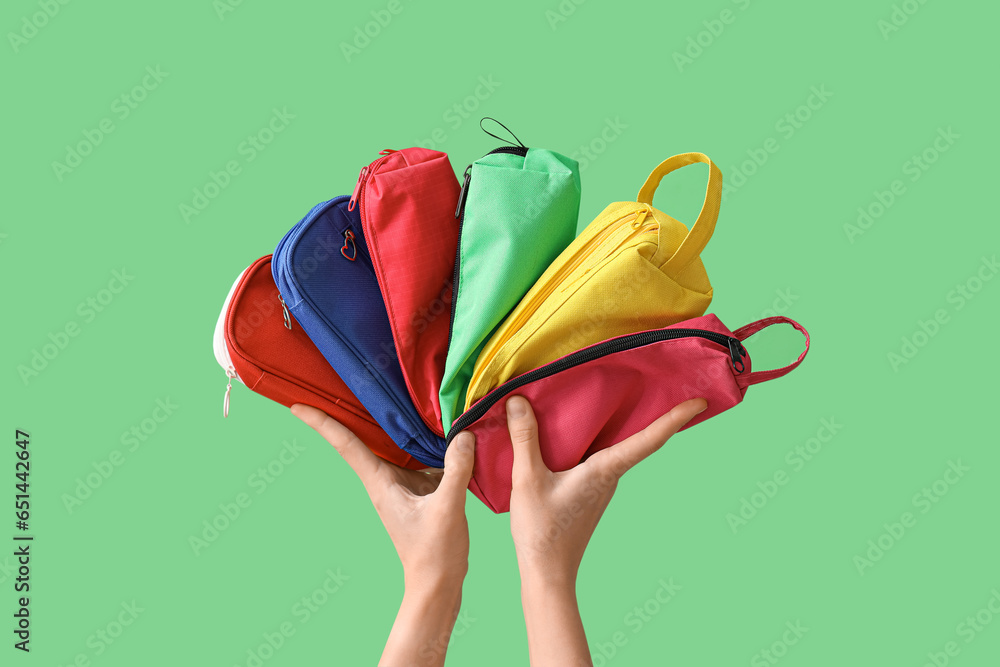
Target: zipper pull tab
{"points": [[737, 352], [386, 151], [229, 387], [349, 241], [640, 217], [464, 192], [506, 141], [284, 313], [357, 188]]}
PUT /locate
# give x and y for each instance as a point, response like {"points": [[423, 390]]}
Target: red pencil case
{"points": [[259, 343], [407, 200]]}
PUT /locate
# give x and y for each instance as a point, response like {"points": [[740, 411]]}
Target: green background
{"points": [[780, 245]]}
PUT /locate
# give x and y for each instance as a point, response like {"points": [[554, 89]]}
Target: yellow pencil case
{"points": [[632, 269]]}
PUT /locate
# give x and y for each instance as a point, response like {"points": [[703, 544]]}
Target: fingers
{"points": [[348, 445], [458, 462], [523, 430], [624, 455]]}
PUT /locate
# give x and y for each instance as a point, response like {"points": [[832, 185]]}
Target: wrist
{"points": [[425, 621], [552, 618], [548, 573], [436, 584], [548, 577]]}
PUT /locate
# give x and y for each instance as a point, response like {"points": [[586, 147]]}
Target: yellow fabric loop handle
{"points": [[700, 233]]}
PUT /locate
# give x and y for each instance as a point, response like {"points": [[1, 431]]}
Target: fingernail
{"points": [[465, 440], [516, 408], [705, 407]]}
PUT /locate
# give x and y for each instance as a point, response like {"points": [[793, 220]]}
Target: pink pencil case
{"points": [[600, 395]]}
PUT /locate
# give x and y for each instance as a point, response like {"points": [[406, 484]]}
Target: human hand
{"points": [[423, 512], [552, 517], [553, 514]]}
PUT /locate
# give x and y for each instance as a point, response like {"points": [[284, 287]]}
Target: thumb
{"points": [[523, 428], [459, 461]]}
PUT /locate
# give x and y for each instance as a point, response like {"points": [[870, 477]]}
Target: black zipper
{"points": [[735, 347], [460, 214], [514, 150]]}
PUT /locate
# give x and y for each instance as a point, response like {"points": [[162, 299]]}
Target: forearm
{"points": [[555, 630], [423, 626]]}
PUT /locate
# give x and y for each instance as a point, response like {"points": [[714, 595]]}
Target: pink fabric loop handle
{"points": [[763, 376]]}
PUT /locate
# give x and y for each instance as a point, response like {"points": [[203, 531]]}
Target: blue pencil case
{"points": [[325, 276]]}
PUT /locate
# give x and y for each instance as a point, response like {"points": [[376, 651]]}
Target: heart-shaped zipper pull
{"points": [[349, 242]]}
